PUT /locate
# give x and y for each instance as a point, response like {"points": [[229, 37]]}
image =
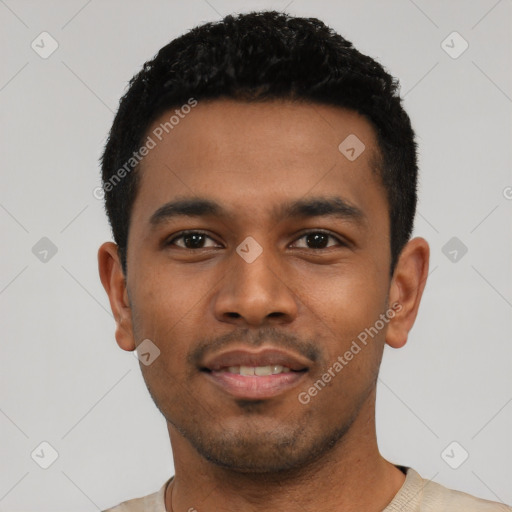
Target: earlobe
{"points": [[113, 280], [407, 285]]}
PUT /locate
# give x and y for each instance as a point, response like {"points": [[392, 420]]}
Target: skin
{"points": [[278, 453]]}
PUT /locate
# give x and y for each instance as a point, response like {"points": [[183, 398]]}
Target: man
{"points": [[260, 179]]}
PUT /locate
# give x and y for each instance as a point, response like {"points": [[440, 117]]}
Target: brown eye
{"points": [[191, 240], [318, 240]]}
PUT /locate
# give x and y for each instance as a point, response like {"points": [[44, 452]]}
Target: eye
{"points": [[196, 240], [191, 240], [319, 240]]}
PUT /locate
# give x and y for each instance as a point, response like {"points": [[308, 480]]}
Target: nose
{"points": [[255, 293]]}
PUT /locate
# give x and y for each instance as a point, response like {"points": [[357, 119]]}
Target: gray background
{"points": [[65, 381]]}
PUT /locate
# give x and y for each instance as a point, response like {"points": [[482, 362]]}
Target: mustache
{"points": [[250, 338]]}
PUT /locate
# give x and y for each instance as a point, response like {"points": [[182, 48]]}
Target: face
{"points": [[257, 254]]}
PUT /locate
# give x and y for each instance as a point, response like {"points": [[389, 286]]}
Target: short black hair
{"points": [[263, 56]]}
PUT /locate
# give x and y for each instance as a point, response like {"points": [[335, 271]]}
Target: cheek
{"points": [[169, 309], [165, 300], [349, 297], [349, 303]]}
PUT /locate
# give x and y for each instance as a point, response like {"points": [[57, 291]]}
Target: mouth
{"points": [[255, 375]]}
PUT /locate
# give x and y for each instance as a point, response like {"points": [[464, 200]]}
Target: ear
{"points": [[113, 280], [406, 290]]}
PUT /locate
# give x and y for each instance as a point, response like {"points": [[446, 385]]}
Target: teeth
{"points": [[259, 371], [263, 370], [246, 370]]}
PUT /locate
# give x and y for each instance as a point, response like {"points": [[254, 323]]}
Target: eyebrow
{"points": [[301, 208]]}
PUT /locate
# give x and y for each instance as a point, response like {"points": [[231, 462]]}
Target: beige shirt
{"points": [[416, 495]]}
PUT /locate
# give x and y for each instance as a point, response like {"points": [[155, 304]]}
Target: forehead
{"points": [[253, 155]]}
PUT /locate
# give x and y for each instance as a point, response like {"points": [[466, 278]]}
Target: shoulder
{"points": [[458, 500], [436, 497], [154, 502]]}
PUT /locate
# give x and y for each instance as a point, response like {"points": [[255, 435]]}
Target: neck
{"points": [[352, 476]]}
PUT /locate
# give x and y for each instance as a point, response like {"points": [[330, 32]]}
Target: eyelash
{"points": [[198, 232]]}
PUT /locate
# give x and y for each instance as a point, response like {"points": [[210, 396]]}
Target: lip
{"points": [[255, 387], [265, 357]]}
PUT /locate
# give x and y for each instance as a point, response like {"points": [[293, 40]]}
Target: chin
{"points": [[265, 452]]}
